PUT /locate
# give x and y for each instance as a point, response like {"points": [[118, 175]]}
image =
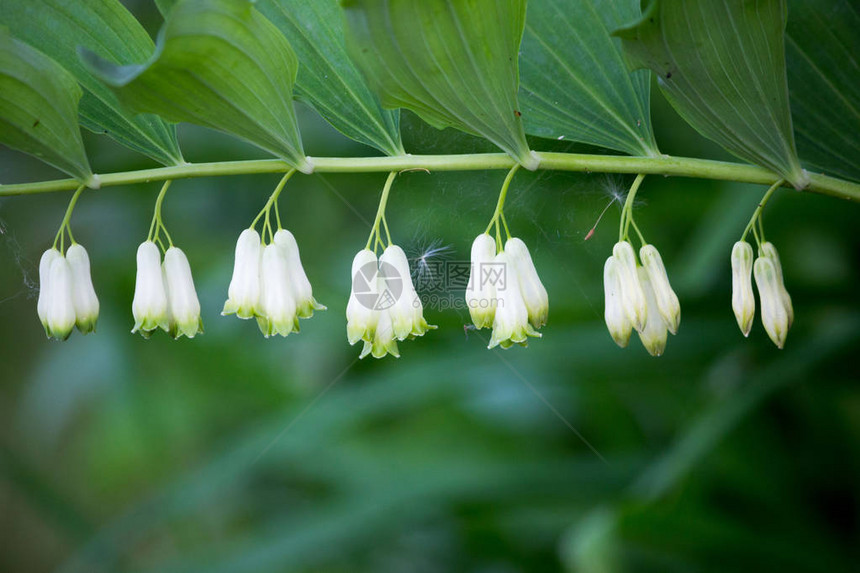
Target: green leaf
{"points": [[39, 108], [574, 84], [221, 64], [164, 6], [823, 54], [453, 63], [328, 80], [105, 27], [721, 64]]}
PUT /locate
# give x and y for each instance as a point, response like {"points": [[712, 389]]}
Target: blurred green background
{"points": [[234, 453]]}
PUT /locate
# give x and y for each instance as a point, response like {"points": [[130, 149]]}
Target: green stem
{"points": [[638, 232], [661, 165], [374, 231], [627, 211], [65, 223], [757, 212], [272, 200], [156, 226], [500, 204]]}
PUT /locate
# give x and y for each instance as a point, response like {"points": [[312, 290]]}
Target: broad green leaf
{"points": [[39, 108], [574, 84], [823, 54], [105, 27], [328, 80], [721, 64], [221, 64], [454, 63], [164, 6]]}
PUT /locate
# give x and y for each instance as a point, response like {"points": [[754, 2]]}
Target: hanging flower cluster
{"points": [[504, 291], [164, 293], [638, 297], [384, 307], [269, 282], [66, 295], [777, 312]]}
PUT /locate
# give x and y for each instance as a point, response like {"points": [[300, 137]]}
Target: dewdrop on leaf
{"points": [[616, 318], [83, 294], [743, 300], [667, 301], [533, 292]]}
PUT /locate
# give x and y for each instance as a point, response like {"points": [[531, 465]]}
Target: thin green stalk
{"points": [[627, 211], [65, 223], [380, 211], [500, 204], [638, 232], [660, 165], [156, 226], [273, 198], [757, 212]]}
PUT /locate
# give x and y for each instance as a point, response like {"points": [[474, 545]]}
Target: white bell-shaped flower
{"points": [[617, 321], [667, 301], [243, 294], [277, 305], [59, 304], [303, 293], [407, 312], [743, 300], [534, 294], [632, 296], [149, 306], [181, 295], [48, 257], [769, 251], [481, 289], [384, 341], [83, 293], [511, 323], [655, 333], [774, 315], [361, 314]]}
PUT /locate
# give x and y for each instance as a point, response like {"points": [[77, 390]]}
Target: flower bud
{"points": [[150, 295], [181, 295], [277, 307], [774, 316], [361, 316], [243, 294], [632, 296], [655, 333], [511, 323], [617, 321], [769, 251], [48, 257], [534, 294], [83, 293], [667, 301], [60, 304], [743, 301], [481, 290], [302, 291]]}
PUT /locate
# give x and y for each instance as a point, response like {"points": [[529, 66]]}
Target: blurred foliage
{"points": [[234, 453]]}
